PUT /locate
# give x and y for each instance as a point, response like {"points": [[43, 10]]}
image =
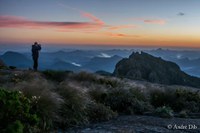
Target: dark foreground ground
{"points": [[142, 124]]}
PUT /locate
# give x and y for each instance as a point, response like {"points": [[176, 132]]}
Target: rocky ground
{"points": [[142, 124]]}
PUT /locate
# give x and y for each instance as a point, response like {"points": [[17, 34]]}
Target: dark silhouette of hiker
{"points": [[35, 53]]}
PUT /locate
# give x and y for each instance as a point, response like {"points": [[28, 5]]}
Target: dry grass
{"points": [[46, 101]]}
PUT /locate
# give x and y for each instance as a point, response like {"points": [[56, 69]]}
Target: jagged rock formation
{"points": [[143, 66]]}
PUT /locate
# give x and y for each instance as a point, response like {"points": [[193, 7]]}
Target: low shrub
{"points": [[98, 95], [73, 109], [141, 107], [164, 111], [12, 67], [187, 100], [16, 114], [121, 100], [15, 127], [108, 82], [183, 114], [159, 98], [98, 112], [139, 94], [45, 102], [84, 76], [56, 75], [178, 99], [22, 76]]}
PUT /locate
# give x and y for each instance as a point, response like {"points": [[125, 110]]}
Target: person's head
{"points": [[35, 43]]}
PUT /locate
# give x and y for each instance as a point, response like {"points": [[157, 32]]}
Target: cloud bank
{"points": [[20, 22], [93, 25]]}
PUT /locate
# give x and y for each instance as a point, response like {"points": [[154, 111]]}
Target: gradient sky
{"points": [[173, 23]]}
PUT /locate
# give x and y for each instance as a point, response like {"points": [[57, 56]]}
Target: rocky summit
{"points": [[143, 66]]}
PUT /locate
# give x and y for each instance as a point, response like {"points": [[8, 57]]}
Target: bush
{"points": [[98, 95], [56, 75], [84, 76], [22, 76], [183, 114], [178, 99], [165, 112], [141, 107], [45, 102], [121, 100], [16, 127], [73, 109], [99, 112], [187, 100], [159, 98], [16, 113], [139, 94], [109, 82]]}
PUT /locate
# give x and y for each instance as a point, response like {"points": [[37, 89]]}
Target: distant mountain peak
{"points": [[143, 66], [12, 58]]}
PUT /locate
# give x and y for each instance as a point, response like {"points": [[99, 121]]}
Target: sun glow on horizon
{"points": [[161, 28]]}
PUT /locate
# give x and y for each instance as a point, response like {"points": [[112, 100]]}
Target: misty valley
{"points": [[99, 60]]}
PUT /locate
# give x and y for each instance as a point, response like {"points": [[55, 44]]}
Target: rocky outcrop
{"points": [[143, 66]]}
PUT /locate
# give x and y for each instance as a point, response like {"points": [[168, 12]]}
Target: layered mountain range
{"points": [[99, 59]]}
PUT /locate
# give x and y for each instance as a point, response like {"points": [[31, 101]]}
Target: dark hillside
{"points": [[143, 66]]}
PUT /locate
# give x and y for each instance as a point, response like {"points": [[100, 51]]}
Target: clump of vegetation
{"points": [[162, 97], [2, 65], [17, 77], [187, 100], [164, 111], [56, 99], [84, 76], [56, 75], [183, 114], [98, 112], [178, 99], [108, 82], [16, 127], [16, 113], [45, 102], [12, 67], [121, 100], [73, 109]]}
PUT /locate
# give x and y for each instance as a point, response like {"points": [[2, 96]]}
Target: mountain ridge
{"points": [[143, 66]]}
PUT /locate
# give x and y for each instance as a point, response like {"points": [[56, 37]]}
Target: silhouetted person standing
{"points": [[35, 53]]}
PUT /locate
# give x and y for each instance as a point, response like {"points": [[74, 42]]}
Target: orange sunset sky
{"points": [[101, 22]]}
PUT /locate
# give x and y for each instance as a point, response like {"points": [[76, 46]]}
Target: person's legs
{"points": [[35, 65]]}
